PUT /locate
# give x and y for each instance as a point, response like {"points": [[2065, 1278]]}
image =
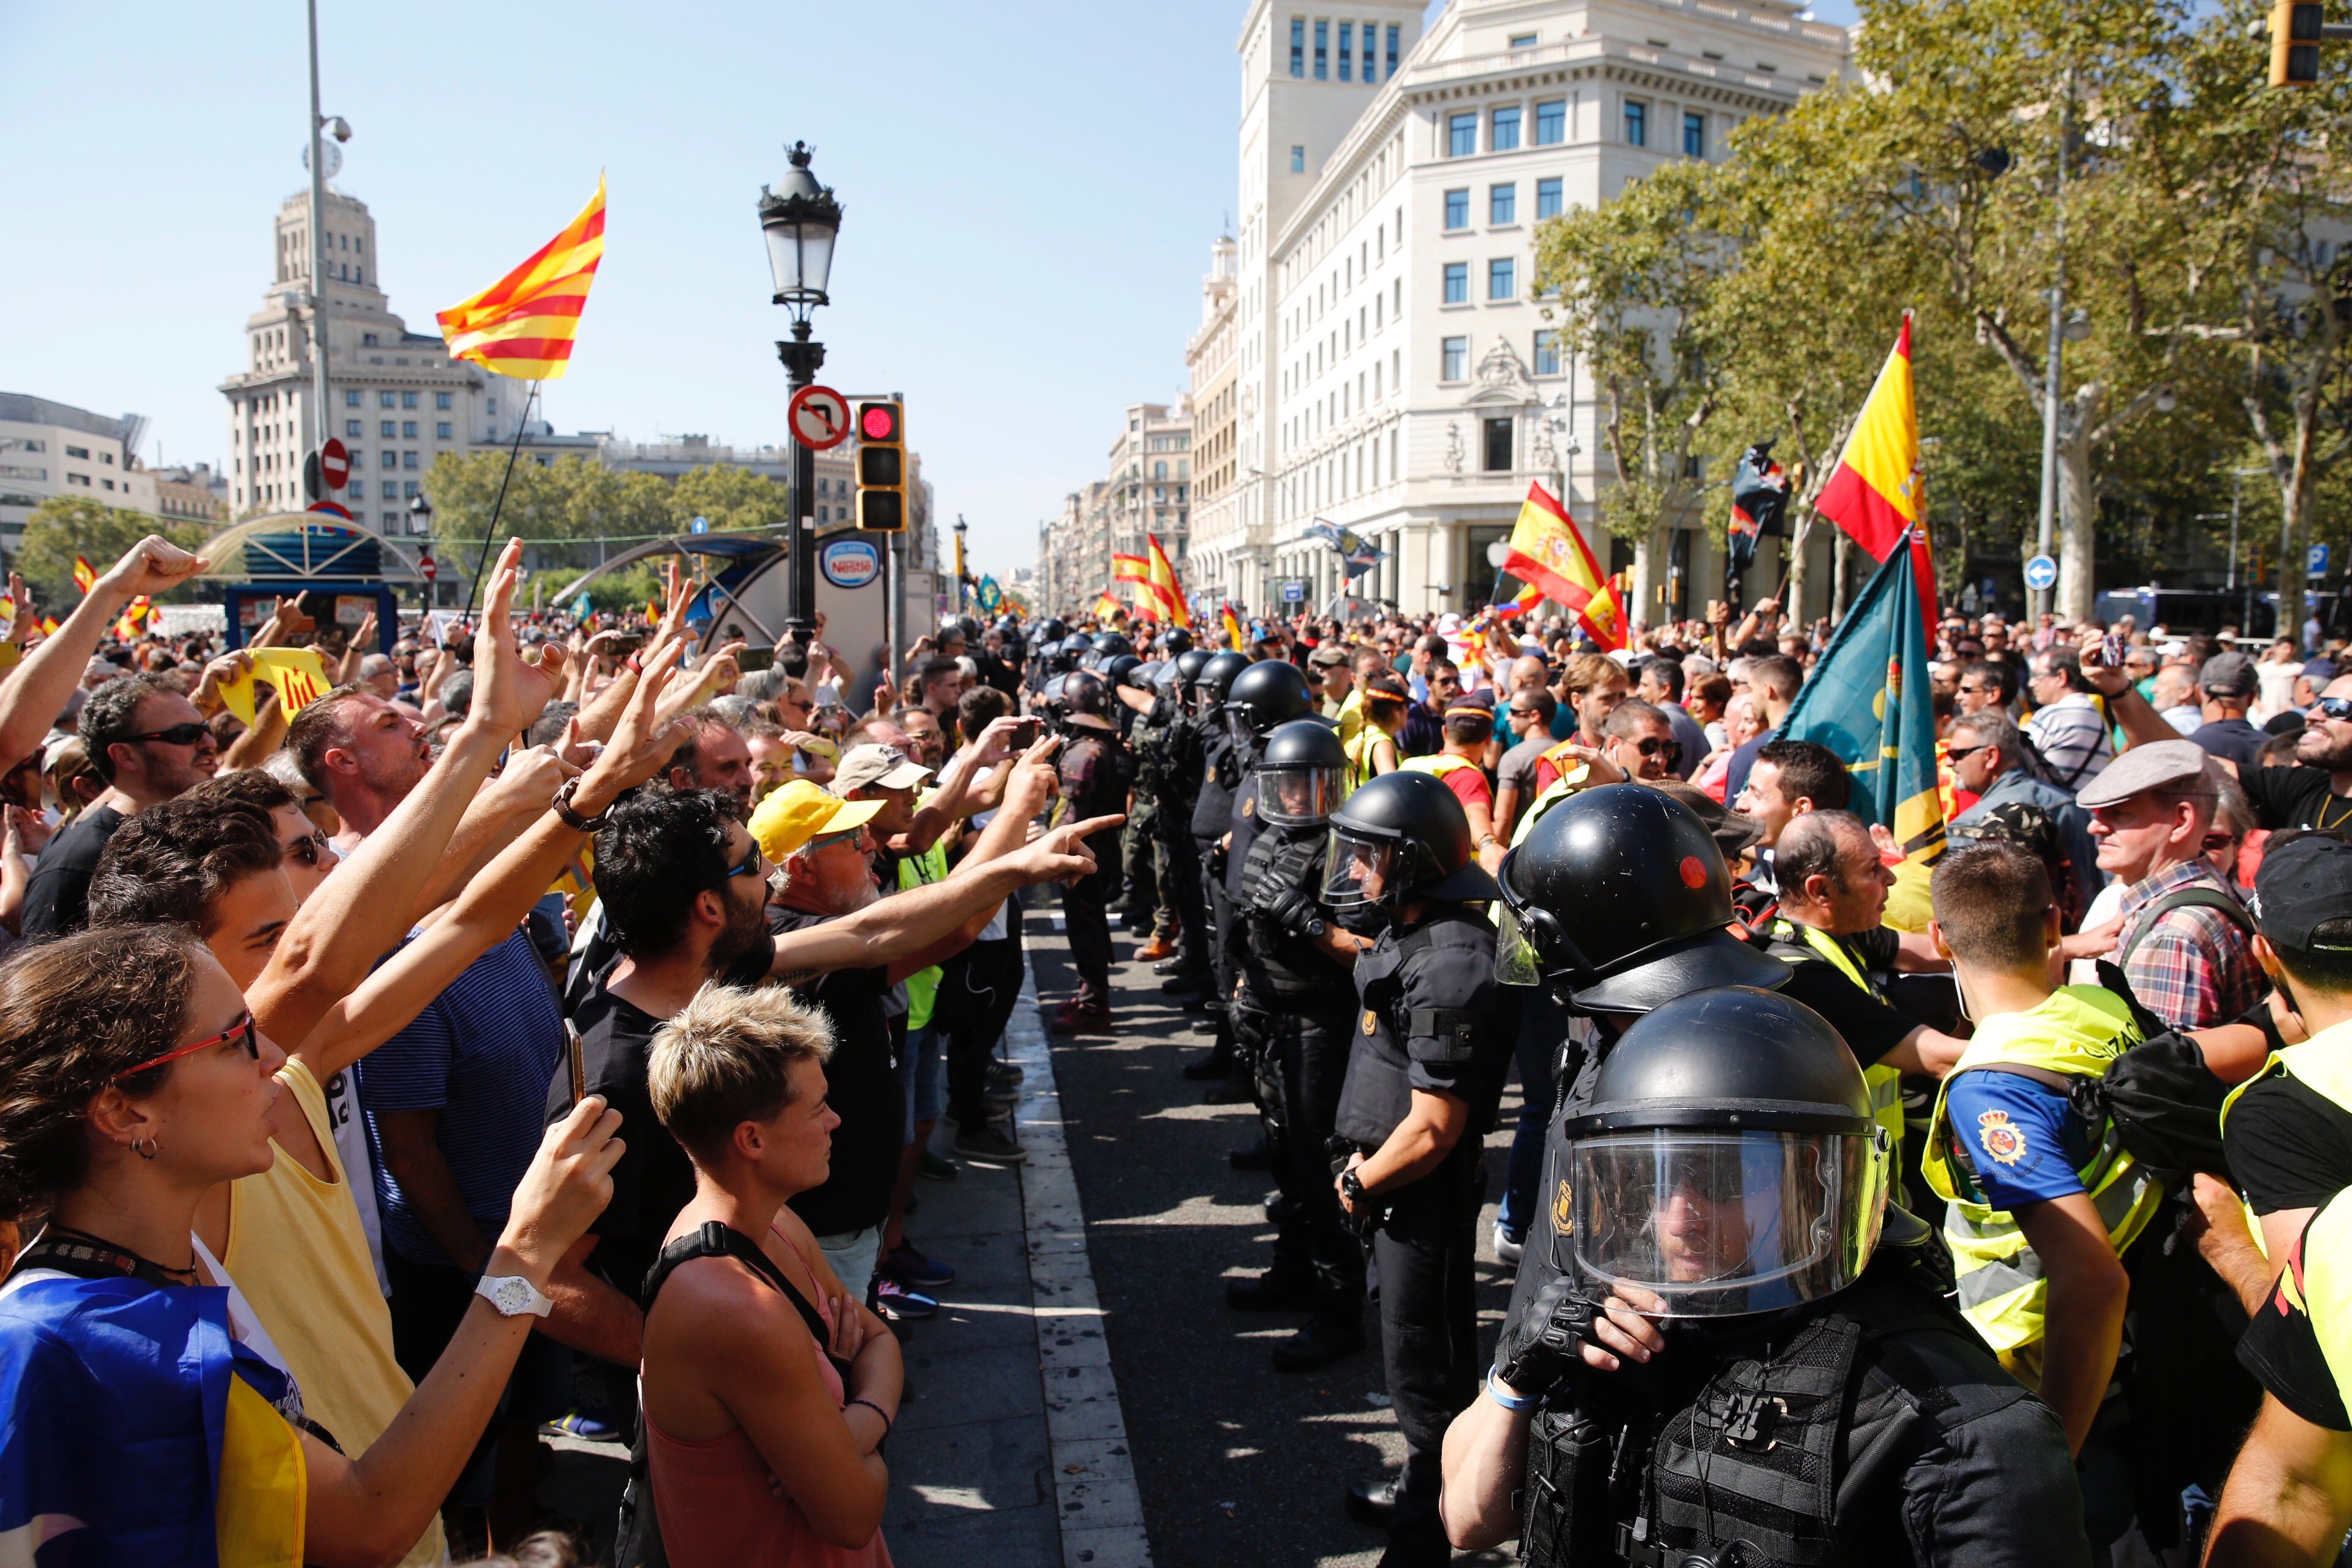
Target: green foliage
{"points": [[64, 527]]}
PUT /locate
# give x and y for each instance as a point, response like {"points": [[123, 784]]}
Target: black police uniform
{"points": [[1094, 770], [1186, 884], [1212, 813], [1433, 1019], [1141, 852]]}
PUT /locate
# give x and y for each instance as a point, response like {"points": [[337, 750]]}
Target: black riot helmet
{"points": [[1402, 836], [1173, 641], [1063, 657], [1083, 692], [1619, 900], [1300, 772], [1050, 701], [970, 626], [1727, 1161], [1188, 665], [1050, 631], [1217, 673], [1125, 669], [1112, 645], [1269, 692], [1008, 625]]}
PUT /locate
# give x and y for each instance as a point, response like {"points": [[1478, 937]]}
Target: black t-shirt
{"points": [[862, 1084], [2234, 738], [2298, 797], [2281, 1348], [2290, 1147], [56, 899], [1869, 1026]]}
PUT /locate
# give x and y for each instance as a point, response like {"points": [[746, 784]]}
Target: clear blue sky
{"points": [[1030, 192]]}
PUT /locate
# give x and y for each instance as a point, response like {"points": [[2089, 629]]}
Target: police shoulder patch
{"points": [[1371, 1020], [1563, 1210], [2002, 1138]]}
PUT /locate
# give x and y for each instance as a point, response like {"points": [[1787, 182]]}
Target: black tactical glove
{"points": [[1291, 910], [1539, 1349]]}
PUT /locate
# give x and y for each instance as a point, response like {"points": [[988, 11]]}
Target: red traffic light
{"points": [[878, 422]]}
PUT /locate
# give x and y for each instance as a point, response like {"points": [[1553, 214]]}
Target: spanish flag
{"points": [[85, 575], [1549, 554], [1129, 568], [1233, 627], [1107, 609], [1160, 583], [523, 324], [653, 612], [133, 619], [1874, 492]]}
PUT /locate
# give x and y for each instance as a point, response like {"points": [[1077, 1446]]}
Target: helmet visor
{"points": [[1297, 797], [1717, 1223], [1238, 728], [1517, 963], [1357, 870]]}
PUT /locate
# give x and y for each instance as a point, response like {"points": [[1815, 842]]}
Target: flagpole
{"points": [[491, 532]]}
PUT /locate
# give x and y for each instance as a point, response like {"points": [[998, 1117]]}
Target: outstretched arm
{"points": [[31, 699]]}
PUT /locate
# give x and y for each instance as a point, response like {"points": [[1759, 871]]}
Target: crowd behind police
{"points": [[1861, 1210]]}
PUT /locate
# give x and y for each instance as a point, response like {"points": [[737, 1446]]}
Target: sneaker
{"points": [[1071, 1018], [931, 1167], [1507, 1246], [908, 1266], [1152, 952], [1008, 1074], [990, 1144], [591, 1427], [895, 1303]]}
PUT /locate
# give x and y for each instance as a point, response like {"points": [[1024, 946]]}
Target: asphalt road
{"points": [[1236, 1462]]}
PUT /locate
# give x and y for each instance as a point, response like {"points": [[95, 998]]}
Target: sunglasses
{"points": [[826, 840], [748, 866], [1955, 755], [1651, 746], [311, 849], [2336, 708], [177, 735], [242, 1031]]}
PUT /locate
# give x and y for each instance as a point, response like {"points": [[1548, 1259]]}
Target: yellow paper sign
{"points": [[297, 673]]}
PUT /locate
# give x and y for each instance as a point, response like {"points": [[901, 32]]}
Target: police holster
{"points": [[1567, 1512], [1373, 1212]]}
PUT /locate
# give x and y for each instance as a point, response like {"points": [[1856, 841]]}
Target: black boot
{"points": [[1259, 1156], [1327, 1336], [1278, 1289], [1372, 1503], [1216, 1064]]}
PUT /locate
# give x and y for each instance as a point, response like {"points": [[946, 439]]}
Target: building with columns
{"points": [[1395, 373]]}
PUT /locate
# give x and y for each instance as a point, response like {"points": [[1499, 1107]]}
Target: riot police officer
{"points": [[1218, 773], [1752, 1357], [1424, 1071], [1191, 979], [1293, 1014], [1049, 636], [1095, 775]]}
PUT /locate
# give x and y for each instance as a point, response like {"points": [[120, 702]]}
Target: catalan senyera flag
{"points": [[85, 576], [1874, 492], [1160, 583], [1549, 554], [1129, 568], [523, 324], [1529, 596]]}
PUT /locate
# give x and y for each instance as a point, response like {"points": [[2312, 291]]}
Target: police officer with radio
{"points": [[1294, 1014], [1424, 1073]]}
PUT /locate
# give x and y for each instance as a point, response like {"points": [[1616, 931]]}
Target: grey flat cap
{"points": [[2228, 674], [2165, 764]]}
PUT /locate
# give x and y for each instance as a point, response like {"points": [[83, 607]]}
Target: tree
{"points": [[64, 527]]}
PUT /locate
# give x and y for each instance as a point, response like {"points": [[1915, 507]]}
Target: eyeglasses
{"points": [[748, 866], [242, 1031], [2336, 708], [311, 849], [177, 735], [1652, 745], [1957, 752], [824, 840]]}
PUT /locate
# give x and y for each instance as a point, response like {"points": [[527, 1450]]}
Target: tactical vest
{"points": [[1149, 740], [1794, 943], [1107, 796], [1755, 1440], [2076, 1034], [1377, 1093], [1279, 967], [1212, 799]]}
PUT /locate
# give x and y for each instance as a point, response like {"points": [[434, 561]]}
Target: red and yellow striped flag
{"points": [[1160, 583], [1129, 568], [1233, 627], [1874, 492], [523, 324], [653, 612], [85, 575], [1549, 554], [133, 619]]}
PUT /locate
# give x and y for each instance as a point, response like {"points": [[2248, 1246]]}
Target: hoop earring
{"points": [[145, 1148]]}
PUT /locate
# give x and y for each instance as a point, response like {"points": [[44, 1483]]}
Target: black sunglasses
{"points": [[2336, 708], [309, 848], [177, 735], [1651, 746], [1956, 753], [748, 864]]}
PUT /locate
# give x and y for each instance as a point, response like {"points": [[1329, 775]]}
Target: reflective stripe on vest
{"points": [[1885, 1083], [1438, 763], [2321, 1064], [1359, 749], [2079, 1031], [2328, 1286]]}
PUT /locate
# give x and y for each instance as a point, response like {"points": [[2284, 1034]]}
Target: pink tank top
{"points": [[720, 1508]]}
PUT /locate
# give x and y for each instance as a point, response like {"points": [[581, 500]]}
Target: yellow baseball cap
{"points": [[801, 811]]}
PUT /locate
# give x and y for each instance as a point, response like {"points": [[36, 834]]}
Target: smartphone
{"points": [[2111, 650], [750, 659], [571, 1056], [1025, 733]]}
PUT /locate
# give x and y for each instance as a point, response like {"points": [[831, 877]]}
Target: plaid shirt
{"points": [[2195, 968]]}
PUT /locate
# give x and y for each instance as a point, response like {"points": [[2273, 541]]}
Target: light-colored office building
{"points": [[1149, 492], [1396, 374], [1217, 383], [192, 493], [55, 449]]}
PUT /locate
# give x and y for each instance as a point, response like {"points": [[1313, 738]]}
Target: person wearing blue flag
{"points": [[151, 1420]]}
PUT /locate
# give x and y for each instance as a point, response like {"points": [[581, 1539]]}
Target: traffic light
{"points": [[2296, 30], [882, 467]]}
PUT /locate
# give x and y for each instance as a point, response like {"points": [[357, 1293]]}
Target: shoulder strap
{"points": [[2192, 897], [717, 1241]]}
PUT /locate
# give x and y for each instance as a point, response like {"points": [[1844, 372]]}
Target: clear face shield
{"points": [[1238, 728], [1357, 870], [1297, 797], [1718, 1223]]}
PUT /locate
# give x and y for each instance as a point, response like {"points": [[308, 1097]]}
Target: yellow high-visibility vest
{"points": [[1885, 1083]]}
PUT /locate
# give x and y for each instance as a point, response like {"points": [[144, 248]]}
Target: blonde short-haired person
{"points": [[763, 1436]]}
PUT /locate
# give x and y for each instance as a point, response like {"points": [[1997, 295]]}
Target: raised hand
{"points": [[28, 619], [1062, 855], [567, 1185], [643, 738], [509, 693], [222, 671], [153, 565]]}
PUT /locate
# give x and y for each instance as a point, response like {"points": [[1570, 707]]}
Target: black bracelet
{"points": [[878, 1410]]}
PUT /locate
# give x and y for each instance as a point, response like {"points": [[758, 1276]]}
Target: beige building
{"points": [[50, 449], [192, 494], [1397, 375], [1215, 373]]}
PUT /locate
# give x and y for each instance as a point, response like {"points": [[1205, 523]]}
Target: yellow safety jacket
{"points": [[1572, 778], [1438, 763], [2076, 1033], [2326, 1287], [2321, 1064], [1885, 1082], [1358, 749]]}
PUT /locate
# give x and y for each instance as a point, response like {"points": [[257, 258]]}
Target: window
{"points": [[367, 339], [1461, 135], [1551, 122], [352, 427], [383, 400], [1159, 472], [1496, 456], [1547, 353], [441, 400], [407, 399], [390, 490], [351, 397], [1694, 135], [407, 488], [491, 408], [1548, 202], [1637, 124], [388, 429], [1298, 46], [1322, 52], [1393, 51], [1347, 51], [389, 460], [1502, 203], [1502, 278], [1371, 53], [441, 430], [1457, 283], [1505, 138], [408, 460], [408, 429], [1454, 353], [81, 479], [1299, 160], [1457, 208]]}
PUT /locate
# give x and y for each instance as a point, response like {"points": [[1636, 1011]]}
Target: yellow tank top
{"points": [[295, 1249]]}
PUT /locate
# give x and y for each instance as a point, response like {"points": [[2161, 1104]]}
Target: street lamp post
{"points": [[960, 532], [420, 521], [800, 220]]}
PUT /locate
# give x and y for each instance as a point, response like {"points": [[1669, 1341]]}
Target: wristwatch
{"points": [[513, 1296], [571, 818], [1315, 927]]}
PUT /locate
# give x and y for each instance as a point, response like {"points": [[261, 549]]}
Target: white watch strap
{"points": [[513, 1296]]}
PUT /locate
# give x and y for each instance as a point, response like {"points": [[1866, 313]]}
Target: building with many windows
{"points": [[1396, 374], [1149, 492], [49, 450], [1217, 383]]}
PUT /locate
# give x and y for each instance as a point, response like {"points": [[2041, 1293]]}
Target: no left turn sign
{"points": [[819, 417]]}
